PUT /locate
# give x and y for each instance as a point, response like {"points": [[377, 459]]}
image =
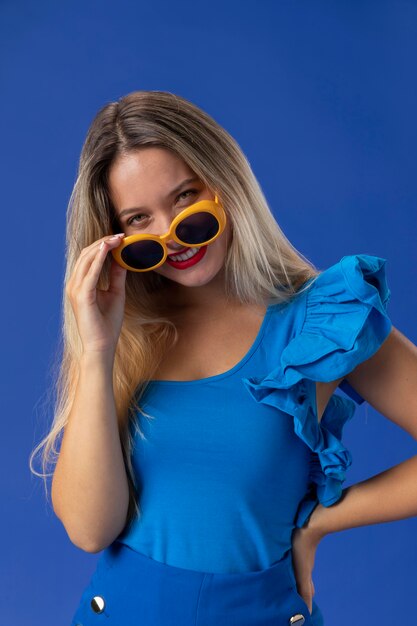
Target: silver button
{"points": [[97, 604], [297, 620]]}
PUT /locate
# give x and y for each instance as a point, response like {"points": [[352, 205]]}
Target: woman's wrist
{"points": [[315, 526]]}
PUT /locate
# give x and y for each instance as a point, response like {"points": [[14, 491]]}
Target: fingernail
{"points": [[116, 236]]}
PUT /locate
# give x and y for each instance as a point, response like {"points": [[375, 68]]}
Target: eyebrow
{"points": [[171, 193]]}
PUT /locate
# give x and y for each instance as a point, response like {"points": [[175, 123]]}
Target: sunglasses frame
{"points": [[213, 207]]}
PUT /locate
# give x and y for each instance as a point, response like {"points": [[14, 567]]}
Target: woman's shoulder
{"points": [[338, 320], [354, 283]]}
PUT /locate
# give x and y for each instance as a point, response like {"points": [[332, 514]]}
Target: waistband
{"points": [[280, 574], [175, 595]]}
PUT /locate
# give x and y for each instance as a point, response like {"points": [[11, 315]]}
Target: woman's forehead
{"points": [[145, 178]]}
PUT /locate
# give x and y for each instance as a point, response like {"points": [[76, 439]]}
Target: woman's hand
{"points": [[304, 546], [99, 313]]}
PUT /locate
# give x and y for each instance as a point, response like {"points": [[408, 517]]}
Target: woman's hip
{"points": [[128, 588]]}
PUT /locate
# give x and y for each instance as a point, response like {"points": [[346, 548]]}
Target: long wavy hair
{"points": [[260, 264]]}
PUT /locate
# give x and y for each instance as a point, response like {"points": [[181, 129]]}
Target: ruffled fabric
{"points": [[345, 322]]}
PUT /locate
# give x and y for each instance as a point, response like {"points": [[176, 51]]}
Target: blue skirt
{"points": [[128, 588]]}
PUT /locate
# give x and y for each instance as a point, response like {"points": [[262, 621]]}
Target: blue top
{"points": [[232, 463]]}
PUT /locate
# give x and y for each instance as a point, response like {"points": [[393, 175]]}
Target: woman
{"points": [[201, 448]]}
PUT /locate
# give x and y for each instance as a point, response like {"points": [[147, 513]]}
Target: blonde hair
{"points": [[260, 264]]}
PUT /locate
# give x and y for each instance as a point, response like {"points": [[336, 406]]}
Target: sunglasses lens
{"points": [[143, 254], [197, 228]]}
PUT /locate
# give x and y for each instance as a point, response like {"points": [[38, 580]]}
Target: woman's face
{"points": [[148, 189]]}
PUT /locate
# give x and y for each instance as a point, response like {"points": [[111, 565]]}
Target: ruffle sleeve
{"points": [[345, 321]]}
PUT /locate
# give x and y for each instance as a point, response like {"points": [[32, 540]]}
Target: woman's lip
{"points": [[196, 258]]}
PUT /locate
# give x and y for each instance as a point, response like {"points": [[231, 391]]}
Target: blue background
{"points": [[321, 96]]}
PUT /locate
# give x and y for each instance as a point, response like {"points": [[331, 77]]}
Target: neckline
{"points": [[231, 371]]}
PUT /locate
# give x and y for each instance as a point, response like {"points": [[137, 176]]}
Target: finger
{"points": [[310, 602], [89, 256], [307, 597], [91, 278], [117, 277], [85, 253]]}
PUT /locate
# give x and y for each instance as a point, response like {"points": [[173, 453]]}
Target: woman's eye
{"points": [[187, 191], [131, 220]]}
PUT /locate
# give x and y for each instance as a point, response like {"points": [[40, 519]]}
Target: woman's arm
{"points": [[90, 492], [387, 496], [387, 381]]}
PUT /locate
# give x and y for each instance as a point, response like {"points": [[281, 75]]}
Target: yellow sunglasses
{"points": [[196, 226]]}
